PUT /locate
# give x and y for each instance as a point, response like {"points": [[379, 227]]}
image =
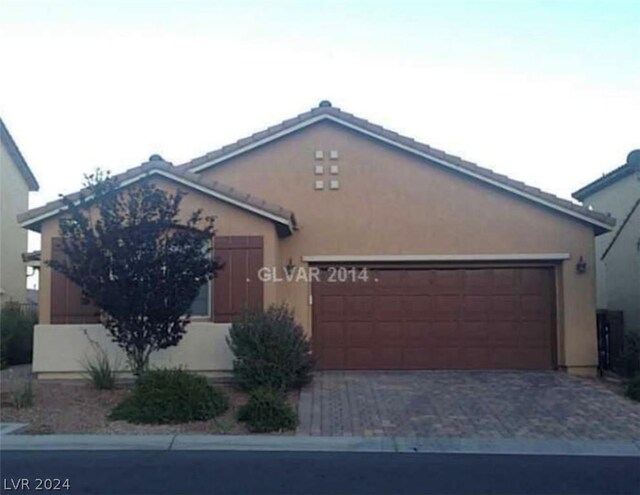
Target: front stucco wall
{"points": [[65, 348], [14, 199], [390, 202]]}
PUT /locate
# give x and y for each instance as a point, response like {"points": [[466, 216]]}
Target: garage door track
{"points": [[477, 404]]}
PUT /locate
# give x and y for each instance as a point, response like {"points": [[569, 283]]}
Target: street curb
{"points": [[323, 444]]}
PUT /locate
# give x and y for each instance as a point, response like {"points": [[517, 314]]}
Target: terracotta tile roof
{"points": [[326, 111], [632, 165], [34, 217], [14, 152]]}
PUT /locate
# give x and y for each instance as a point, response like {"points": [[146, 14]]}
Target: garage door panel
{"points": [[419, 308], [388, 334], [459, 318], [475, 308], [388, 308], [448, 281], [505, 281], [478, 282], [504, 307], [447, 307], [359, 308], [333, 357], [358, 334]]}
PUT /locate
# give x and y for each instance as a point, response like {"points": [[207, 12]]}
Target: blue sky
{"points": [[545, 92]]}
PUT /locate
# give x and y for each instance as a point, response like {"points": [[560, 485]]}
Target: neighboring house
{"points": [[466, 267], [618, 252], [16, 180]]}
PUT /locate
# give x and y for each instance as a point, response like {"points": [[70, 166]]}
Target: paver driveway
{"points": [[480, 404]]}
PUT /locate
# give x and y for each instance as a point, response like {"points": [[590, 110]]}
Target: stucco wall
{"points": [[390, 202], [64, 348], [616, 199], [14, 199], [622, 266]]}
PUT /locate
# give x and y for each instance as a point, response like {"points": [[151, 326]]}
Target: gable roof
{"points": [[325, 112], [16, 156], [632, 165], [283, 219]]}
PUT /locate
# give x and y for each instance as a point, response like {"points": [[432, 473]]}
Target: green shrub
{"points": [[166, 396], [629, 362], [266, 411], [270, 349], [16, 334], [98, 367], [22, 396], [633, 388]]}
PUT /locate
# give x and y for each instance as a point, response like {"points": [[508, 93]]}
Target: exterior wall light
{"points": [[290, 267], [581, 265]]}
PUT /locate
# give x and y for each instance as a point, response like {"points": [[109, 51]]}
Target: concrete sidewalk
{"points": [[322, 444]]}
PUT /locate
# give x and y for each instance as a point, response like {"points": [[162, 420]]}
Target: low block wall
{"points": [[60, 350]]}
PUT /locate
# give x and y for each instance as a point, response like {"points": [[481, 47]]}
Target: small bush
{"points": [[22, 396], [270, 350], [98, 367], [100, 372], [167, 396], [633, 388], [266, 411], [629, 362], [16, 334]]}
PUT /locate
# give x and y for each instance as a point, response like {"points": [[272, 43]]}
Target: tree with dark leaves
{"points": [[130, 254]]}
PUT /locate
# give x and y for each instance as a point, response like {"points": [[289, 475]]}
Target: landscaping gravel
{"points": [[74, 406]]}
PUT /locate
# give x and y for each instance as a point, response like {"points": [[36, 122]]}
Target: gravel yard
{"points": [[74, 406]]}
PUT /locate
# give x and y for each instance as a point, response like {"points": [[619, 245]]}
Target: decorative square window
{"points": [[333, 154], [319, 185], [334, 170], [319, 169], [319, 155], [334, 184], [201, 305]]}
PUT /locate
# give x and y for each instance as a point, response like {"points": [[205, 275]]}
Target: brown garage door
{"points": [[458, 318]]}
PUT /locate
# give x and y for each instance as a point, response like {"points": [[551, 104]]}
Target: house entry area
{"points": [[449, 317]]}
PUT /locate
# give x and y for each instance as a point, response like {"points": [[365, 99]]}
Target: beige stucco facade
{"points": [[618, 274], [388, 202], [14, 199]]}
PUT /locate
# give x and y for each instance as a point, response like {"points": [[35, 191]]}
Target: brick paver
{"points": [[479, 404]]}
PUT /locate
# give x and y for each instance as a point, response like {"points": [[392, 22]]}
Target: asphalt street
{"points": [[219, 472]]}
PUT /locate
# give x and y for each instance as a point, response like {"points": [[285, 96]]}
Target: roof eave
{"points": [[286, 222]]}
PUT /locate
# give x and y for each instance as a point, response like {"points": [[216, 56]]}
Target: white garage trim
{"points": [[357, 258]]}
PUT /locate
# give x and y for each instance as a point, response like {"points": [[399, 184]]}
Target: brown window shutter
{"points": [[66, 297], [237, 283]]}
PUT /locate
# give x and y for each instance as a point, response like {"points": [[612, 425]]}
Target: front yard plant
{"points": [[134, 258], [267, 411], [22, 395], [98, 368], [168, 396], [270, 349], [16, 334]]}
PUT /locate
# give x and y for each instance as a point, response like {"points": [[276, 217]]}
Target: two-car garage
{"points": [[436, 317]]}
